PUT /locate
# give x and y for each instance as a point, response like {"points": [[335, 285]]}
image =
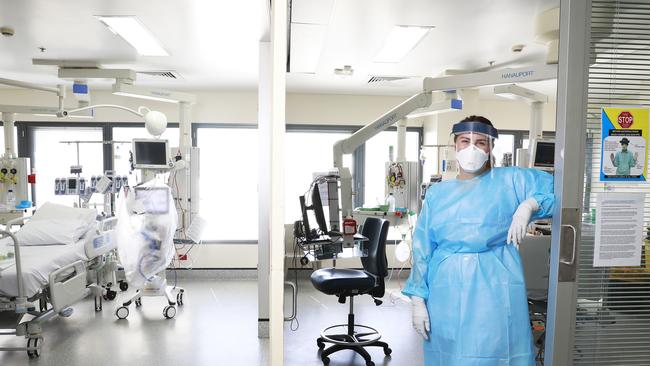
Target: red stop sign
{"points": [[625, 119]]}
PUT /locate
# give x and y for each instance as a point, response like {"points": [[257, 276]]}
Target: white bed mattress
{"points": [[37, 264]]}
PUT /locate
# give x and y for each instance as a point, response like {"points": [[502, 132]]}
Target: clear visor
{"points": [[471, 152]]}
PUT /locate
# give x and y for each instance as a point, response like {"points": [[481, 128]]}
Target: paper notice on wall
{"points": [[619, 229]]}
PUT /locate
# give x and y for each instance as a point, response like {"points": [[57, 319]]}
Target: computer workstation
{"points": [[313, 236]]}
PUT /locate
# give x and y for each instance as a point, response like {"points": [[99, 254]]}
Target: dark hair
{"points": [[474, 118], [481, 119]]}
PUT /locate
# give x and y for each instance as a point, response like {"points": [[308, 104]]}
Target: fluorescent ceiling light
{"points": [[401, 40], [134, 32]]}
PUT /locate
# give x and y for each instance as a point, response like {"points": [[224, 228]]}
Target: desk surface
{"points": [[327, 239]]}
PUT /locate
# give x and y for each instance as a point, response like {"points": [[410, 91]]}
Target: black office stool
{"points": [[345, 283]]}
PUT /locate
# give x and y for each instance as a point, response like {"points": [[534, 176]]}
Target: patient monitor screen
{"points": [[151, 153], [545, 154]]}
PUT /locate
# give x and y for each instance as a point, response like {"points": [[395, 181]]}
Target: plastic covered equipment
{"points": [[147, 221]]}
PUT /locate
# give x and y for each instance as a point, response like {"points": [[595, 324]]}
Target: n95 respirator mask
{"points": [[471, 158]]}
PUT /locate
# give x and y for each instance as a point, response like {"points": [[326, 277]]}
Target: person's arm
{"points": [[423, 247], [634, 159], [537, 185], [417, 287], [611, 157]]}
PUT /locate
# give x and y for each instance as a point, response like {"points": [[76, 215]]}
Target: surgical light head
{"points": [[154, 121]]}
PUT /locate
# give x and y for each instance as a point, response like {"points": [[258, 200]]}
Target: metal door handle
{"points": [[573, 253]]}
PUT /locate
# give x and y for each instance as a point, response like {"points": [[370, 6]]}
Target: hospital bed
{"points": [[55, 277]]}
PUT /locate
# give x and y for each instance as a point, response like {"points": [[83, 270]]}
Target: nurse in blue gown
{"points": [[467, 284]]}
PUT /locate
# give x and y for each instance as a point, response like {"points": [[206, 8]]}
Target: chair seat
{"points": [[335, 281]]}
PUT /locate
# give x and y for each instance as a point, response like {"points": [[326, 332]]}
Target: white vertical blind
{"points": [[613, 315]]}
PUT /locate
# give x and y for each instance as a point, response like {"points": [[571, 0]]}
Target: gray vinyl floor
{"points": [[317, 311], [216, 326]]}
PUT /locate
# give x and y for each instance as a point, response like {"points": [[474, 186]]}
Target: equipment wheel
{"points": [[122, 312], [179, 299], [138, 302], [387, 351], [124, 286], [370, 363], [326, 360], [169, 311], [33, 343], [111, 295]]}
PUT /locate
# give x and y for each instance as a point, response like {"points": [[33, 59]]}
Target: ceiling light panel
{"points": [[135, 33], [401, 40]]}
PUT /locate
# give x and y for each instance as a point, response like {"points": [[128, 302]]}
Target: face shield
{"points": [[472, 144]]}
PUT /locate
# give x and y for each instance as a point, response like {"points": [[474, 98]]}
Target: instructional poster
{"points": [[619, 229], [624, 144]]}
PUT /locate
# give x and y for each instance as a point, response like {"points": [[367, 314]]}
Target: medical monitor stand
{"points": [[156, 286]]}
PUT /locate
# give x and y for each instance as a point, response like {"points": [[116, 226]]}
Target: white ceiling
{"points": [[214, 43]]}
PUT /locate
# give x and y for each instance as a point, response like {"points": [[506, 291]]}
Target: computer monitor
{"points": [[317, 206], [543, 153], [150, 154], [318, 215], [154, 199]]}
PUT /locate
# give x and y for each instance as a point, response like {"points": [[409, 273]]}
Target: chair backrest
{"points": [[376, 230]]}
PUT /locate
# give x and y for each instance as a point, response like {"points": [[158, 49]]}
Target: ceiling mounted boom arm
{"points": [[423, 100]]}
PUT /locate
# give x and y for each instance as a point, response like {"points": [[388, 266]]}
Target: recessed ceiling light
{"points": [[401, 40], [135, 33]]}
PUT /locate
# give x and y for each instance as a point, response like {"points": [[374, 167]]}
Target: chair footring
{"points": [[362, 335]]}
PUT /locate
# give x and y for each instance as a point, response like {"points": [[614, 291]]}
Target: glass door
{"points": [[599, 288]]}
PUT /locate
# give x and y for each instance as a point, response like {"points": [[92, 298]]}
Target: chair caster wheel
{"points": [[138, 302], [124, 286], [388, 351], [320, 344], [326, 360], [169, 311], [122, 312], [179, 299]]}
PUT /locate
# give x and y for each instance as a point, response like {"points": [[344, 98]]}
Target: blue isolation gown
{"points": [[471, 280]]}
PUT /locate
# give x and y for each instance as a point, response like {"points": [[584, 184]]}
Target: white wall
{"points": [[217, 107], [241, 107]]}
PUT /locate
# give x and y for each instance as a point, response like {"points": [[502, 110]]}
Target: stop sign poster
{"points": [[624, 151]]}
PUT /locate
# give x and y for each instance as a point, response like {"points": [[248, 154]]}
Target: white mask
{"points": [[471, 158]]}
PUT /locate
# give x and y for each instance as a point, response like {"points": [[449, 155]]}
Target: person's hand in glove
{"points": [[520, 220], [420, 316]]}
